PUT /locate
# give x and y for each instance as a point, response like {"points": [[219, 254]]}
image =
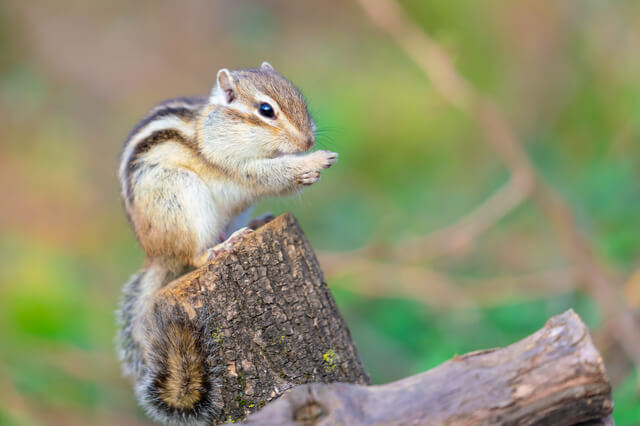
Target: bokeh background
{"points": [[75, 77]]}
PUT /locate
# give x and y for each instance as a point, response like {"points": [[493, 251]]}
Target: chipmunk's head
{"points": [[256, 112]]}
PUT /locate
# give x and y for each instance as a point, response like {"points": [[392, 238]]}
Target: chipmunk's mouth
{"points": [[299, 146]]}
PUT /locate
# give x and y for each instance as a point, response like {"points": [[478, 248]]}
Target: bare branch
{"points": [[459, 237], [432, 288]]}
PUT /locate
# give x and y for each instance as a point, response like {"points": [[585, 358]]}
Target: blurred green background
{"points": [[76, 76]]}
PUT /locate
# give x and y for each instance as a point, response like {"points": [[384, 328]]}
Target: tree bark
{"points": [[272, 322], [553, 377]]}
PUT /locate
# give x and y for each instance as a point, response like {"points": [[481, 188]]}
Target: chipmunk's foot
{"points": [[228, 244]]}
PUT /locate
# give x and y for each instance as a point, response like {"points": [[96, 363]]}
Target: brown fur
{"points": [[184, 370], [148, 143], [174, 244]]}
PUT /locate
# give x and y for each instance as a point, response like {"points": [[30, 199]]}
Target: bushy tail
{"points": [[129, 347], [173, 362]]}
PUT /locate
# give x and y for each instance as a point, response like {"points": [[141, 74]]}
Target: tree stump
{"points": [[270, 314]]}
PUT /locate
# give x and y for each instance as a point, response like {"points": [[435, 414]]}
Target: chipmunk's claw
{"points": [[228, 244], [308, 178]]}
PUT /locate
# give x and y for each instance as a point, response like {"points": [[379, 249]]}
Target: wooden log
{"points": [[269, 316], [553, 377]]}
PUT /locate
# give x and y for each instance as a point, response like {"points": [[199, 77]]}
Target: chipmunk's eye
{"points": [[266, 110]]}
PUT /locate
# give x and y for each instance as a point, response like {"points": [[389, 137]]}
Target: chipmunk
{"points": [[190, 172]]}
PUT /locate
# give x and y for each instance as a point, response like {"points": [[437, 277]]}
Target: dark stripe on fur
{"points": [[168, 107], [250, 119], [185, 108], [145, 145]]}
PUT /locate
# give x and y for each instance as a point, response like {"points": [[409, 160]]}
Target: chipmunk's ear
{"points": [[266, 66], [225, 85]]}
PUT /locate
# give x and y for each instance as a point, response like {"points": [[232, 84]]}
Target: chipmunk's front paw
{"points": [[316, 161], [308, 178], [324, 159]]}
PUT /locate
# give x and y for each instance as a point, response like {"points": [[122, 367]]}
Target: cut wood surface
{"points": [[553, 377], [269, 316]]}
